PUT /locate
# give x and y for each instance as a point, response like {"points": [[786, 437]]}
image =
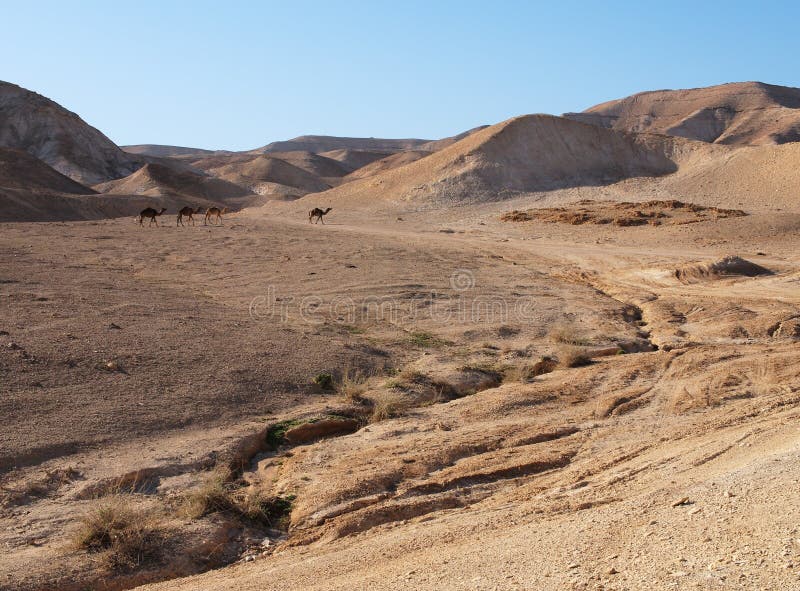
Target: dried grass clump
{"points": [[129, 536], [352, 386], [388, 405], [215, 494], [571, 356], [567, 334]]}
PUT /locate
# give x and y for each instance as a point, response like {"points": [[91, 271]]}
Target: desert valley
{"points": [[552, 352]]}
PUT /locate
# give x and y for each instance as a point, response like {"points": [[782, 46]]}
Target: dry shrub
{"points": [[567, 334], [765, 380], [352, 386], [215, 494], [527, 371], [129, 536], [571, 356], [221, 493], [388, 405]]}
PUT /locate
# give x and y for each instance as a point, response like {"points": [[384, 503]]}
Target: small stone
{"points": [[681, 501], [113, 326], [573, 565], [612, 571], [14, 346], [249, 558]]}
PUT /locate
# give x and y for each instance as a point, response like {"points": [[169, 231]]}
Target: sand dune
{"points": [[739, 113]]}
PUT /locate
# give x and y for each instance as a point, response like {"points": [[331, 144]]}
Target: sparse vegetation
{"points": [[388, 405], [426, 340], [568, 334], [212, 496], [129, 536], [221, 493], [352, 386], [572, 356], [276, 435], [40, 487], [527, 371], [324, 381]]}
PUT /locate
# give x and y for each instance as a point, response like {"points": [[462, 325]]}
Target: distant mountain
{"points": [[58, 137], [325, 143], [742, 113], [161, 151]]}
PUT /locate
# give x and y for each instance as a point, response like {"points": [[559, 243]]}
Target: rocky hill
{"points": [[60, 138]]}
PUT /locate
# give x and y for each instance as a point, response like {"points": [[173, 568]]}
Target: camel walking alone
{"points": [[189, 213], [215, 211], [152, 214], [318, 213]]}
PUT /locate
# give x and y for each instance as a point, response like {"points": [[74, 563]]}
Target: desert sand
{"points": [[548, 356]]}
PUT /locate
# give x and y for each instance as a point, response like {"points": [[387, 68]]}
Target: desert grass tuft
{"points": [[567, 334], [388, 405], [128, 536], [352, 386], [215, 494], [572, 356]]}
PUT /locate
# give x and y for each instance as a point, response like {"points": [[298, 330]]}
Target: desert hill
{"points": [[20, 170], [260, 173], [325, 143], [60, 138], [355, 159], [396, 160], [31, 190], [436, 145], [159, 180], [738, 113], [524, 154]]}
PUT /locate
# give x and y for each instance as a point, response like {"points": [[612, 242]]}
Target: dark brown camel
{"points": [[318, 213], [152, 214]]}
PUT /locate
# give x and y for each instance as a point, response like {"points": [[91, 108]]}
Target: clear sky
{"points": [[237, 75]]}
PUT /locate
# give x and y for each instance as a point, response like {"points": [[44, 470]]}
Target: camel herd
{"points": [[213, 214], [187, 212]]}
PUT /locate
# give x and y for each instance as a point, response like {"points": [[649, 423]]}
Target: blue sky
{"points": [[237, 75]]}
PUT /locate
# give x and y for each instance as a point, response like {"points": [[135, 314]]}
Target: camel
{"points": [[188, 212], [318, 213], [215, 211], [152, 214]]}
